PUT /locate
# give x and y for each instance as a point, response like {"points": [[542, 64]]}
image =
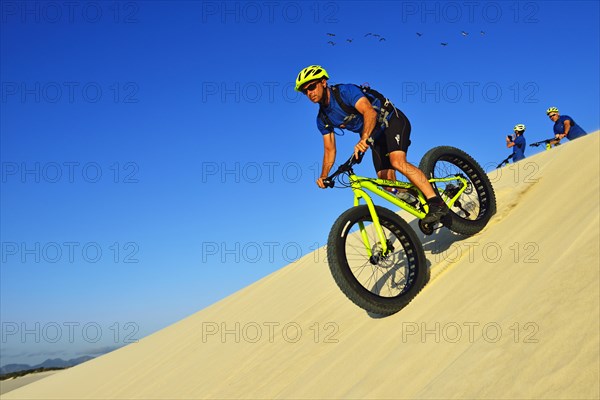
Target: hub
{"points": [[378, 255]]}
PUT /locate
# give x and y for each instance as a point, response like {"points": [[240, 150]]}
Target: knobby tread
{"points": [[342, 273], [478, 177]]}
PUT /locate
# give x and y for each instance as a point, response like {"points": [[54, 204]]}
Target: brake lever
{"points": [[345, 167]]}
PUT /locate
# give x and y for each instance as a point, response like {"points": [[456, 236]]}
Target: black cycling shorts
{"points": [[395, 137]]}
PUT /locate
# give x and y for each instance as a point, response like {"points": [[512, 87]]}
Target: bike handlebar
{"points": [[505, 161], [545, 141], [329, 182]]}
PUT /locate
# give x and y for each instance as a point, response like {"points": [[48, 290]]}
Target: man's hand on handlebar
{"points": [[325, 183], [320, 182], [361, 147], [329, 181]]}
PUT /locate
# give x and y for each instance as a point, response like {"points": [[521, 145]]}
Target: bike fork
{"points": [[376, 224]]}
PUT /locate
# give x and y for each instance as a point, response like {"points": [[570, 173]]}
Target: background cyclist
{"points": [[564, 126], [517, 142]]}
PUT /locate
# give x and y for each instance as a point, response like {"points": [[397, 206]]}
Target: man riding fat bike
{"points": [[381, 126]]}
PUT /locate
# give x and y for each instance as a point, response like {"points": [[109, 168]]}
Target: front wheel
{"points": [[378, 282], [476, 205]]}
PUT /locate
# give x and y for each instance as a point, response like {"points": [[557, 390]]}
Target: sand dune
{"points": [[512, 312], [15, 383]]}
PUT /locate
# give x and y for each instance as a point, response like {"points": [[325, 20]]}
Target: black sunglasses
{"points": [[551, 115], [311, 87]]}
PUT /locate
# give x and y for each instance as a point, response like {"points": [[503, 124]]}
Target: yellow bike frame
{"points": [[360, 185]]}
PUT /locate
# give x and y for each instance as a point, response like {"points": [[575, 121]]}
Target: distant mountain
{"points": [[49, 363], [60, 363]]}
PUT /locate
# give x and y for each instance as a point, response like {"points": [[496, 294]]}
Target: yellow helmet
{"points": [[310, 73], [519, 128], [551, 110]]}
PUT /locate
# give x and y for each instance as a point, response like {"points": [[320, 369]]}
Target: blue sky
{"points": [[156, 159]]}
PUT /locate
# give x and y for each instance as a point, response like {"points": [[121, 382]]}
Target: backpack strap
{"points": [[350, 110], [338, 97], [374, 94], [325, 119], [370, 94], [386, 106]]}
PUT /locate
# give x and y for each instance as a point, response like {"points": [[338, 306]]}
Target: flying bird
{"points": [[465, 33], [482, 33], [382, 39], [444, 44], [419, 34], [330, 34], [376, 35], [368, 34], [331, 43]]}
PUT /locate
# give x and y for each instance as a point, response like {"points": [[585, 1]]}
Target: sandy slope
{"points": [[15, 383], [510, 313]]}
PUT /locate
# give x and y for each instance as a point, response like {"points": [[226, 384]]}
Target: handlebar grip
{"points": [[329, 183], [360, 157]]}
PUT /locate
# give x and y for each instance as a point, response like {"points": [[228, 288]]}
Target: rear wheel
{"points": [[377, 282], [476, 205]]}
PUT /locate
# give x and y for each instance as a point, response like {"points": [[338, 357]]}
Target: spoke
{"points": [[388, 277], [469, 202]]}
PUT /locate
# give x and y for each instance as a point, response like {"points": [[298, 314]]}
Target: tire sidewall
{"points": [[458, 224], [346, 280]]}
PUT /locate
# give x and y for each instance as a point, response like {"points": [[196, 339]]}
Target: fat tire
{"points": [[345, 279], [476, 174]]}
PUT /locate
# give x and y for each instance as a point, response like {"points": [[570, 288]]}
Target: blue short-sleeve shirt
{"points": [[519, 148], [350, 94], [575, 131]]}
